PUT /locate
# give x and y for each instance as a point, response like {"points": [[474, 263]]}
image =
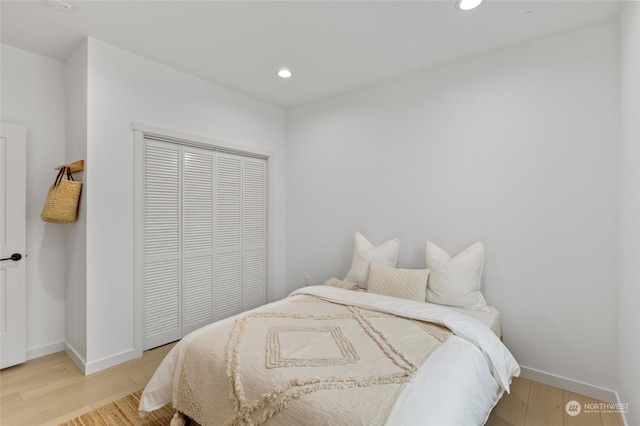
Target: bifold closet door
{"points": [[204, 241], [228, 286], [197, 241], [240, 234], [162, 243], [254, 233], [178, 290]]}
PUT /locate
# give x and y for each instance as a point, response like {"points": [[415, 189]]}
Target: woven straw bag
{"points": [[62, 202]]}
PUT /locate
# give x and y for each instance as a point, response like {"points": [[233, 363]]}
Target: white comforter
{"points": [[459, 384]]}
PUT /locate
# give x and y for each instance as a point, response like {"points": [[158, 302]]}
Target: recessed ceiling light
{"points": [[61, 5], [284, 73], [468, 4]]}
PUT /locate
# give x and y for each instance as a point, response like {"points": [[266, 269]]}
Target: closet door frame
{"points": [[142, 131]]}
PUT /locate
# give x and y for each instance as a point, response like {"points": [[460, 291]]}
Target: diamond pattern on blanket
{"points": [[308, 347], [290, 363]]}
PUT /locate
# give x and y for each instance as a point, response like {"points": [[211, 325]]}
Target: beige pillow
{"points": [[334, 282], [403, 283]]}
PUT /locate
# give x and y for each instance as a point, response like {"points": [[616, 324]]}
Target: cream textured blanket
{"points": [[305, 362]]}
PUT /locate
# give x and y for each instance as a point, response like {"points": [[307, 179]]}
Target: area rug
{"points": [[123, 412]]}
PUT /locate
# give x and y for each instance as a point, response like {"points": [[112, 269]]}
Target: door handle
{"points": [[15, 257]]}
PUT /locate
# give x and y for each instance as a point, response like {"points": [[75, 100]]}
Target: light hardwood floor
{"points": [[51, 390], [535, 404]]}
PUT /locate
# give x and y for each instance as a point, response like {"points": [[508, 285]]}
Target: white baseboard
{"points": [[623, 415], [570, 385], [44, 350], [75, 357], [110, 361], [88, 368]]}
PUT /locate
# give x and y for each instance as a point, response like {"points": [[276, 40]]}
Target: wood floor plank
{"points": [[120, 393], [10, 400], [142, 374], [545, 406], [32, 377], [495, 420], [68, 416], [583, 418], [51, 387], [33, 366], [512, 408], [611, 419], [36, 414], [70, 398]]}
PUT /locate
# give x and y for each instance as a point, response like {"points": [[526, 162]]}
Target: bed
{"points": [[329, 356]]}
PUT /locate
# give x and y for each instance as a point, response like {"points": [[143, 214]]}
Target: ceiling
{"points": [[331, 46]]}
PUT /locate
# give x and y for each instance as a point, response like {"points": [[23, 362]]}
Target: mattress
{"points": [[490, 319]]}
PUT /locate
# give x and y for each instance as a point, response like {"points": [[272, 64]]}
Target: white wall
{"points": [[629, 290], [516, 148], [125, 88], [33, 95], [76, 233]]}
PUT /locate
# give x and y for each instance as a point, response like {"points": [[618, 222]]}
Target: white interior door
{"points": [[12, 243]]}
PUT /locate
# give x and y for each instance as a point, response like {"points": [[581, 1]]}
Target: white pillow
{"points": [[386, 254], [408, 284], [456, 281]]}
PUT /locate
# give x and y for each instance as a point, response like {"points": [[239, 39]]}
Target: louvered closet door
{"points": [[197, 263], [241, 254], [162, 241], [228, 286], [254, 236], [204, 238]]}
